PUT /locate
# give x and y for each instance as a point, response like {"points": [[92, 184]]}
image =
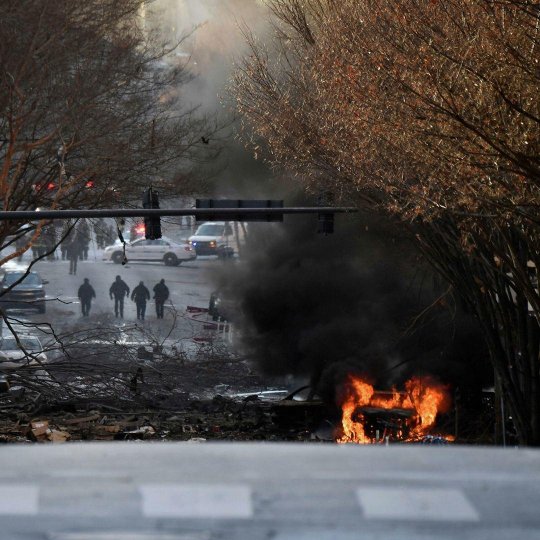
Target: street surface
{"points": [[189, 284], [205, 491]]}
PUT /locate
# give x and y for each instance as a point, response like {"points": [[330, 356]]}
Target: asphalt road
{"points": [[190, 491], [189, 284]]}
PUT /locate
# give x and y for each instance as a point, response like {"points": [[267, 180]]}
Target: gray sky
{"points": [[215, 43]]}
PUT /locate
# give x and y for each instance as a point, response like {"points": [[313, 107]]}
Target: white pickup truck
{"points": [[214, 238]]}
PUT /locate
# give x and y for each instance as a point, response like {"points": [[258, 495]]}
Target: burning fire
{"points": [[415, 410]]}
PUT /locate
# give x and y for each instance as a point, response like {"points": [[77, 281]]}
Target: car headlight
{"points": [[212, 243]]}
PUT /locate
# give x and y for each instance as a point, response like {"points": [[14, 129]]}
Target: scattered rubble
{"points": [[219, 418], [161, 398], [147, 400], [40, 431]]}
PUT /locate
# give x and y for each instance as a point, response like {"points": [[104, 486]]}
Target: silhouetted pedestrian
{"points": [[20, 243], [66, 236], [99, 231], [83, 236], [85, 294], [73, 253], [110, 235], [49, 239], [119, 290], [40, 245], [161, 293], [140, 295]]}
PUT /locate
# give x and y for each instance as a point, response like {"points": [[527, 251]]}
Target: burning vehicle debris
{"points": [[369, 416], [380, 313], [296, 318]]}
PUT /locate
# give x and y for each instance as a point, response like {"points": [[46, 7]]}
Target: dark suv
{"points": [[27, 294]]}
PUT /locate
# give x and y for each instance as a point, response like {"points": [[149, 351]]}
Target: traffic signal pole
{"points": [[36, 215]]}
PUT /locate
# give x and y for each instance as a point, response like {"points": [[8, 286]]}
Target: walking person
{"points": [[20, 243], [85, 294], [110, 235], [66, 236], [140, 295], [119, 289], [83, 234], [99, 231], [49, 237], [41, 246], [73, 253], [161, 293]]}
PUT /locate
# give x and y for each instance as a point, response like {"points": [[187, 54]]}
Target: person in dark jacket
{"points": [[67, 236], [99, 231], [20, 243], [83, 234], [85, 294], [73, 253], [40, 245], [140, 295], [49, 238], [161, 293], [119, 289]]}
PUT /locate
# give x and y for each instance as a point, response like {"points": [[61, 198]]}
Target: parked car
{"points": [[28, 294], [214, 238], [164, 250], [12, 356]]}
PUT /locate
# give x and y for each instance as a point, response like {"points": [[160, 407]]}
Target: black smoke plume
{"points": [[361, 300]]}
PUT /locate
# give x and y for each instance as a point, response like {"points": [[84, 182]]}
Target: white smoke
{"points": [[215, 41]]}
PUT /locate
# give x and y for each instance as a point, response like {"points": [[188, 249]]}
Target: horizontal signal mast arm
{"points": [[35, 215]]}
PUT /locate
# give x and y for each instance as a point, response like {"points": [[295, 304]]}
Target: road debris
{"points": [[40, 431]]}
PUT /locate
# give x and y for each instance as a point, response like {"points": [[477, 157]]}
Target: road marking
{"points": [[121, 535], [196, 501], [20, 500], [422, 504]]}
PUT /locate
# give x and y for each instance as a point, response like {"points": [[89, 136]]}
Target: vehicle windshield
{"points": [[210, 229], [28, 343], [30, 279]]}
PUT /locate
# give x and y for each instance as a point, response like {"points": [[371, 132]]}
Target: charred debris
{"points": [[167, 398], [372, 321]]}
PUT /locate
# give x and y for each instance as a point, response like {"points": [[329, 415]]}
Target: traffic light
{"points": [[325, 223], [152, 224]]}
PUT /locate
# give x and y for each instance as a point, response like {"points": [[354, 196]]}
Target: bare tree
{"points": [[90, 109], [427, 111]]}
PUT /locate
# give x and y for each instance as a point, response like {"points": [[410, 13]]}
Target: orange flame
{"points": [[424, 397], [428, 398], [359, 395]]}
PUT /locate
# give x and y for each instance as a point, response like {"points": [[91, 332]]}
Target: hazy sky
{"points": [[215, 43], [212, 47]]}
